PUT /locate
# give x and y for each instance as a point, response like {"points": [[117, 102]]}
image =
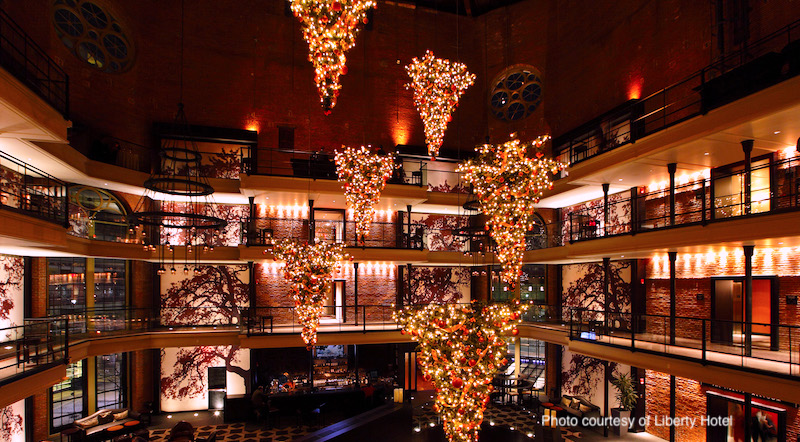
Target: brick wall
{"points": [[259, 76], [141, 278], [39, 287], [377, 286], [690, 401], [141, 366], [41, 422]]}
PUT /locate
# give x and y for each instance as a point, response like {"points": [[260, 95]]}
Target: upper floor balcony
{"points": [[25, 60], [755, 67]]}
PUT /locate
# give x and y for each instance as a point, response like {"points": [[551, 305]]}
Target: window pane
{"points": [[110, 381], [67, 290], [66, 398]]}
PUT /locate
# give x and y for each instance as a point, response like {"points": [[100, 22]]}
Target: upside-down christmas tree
{"points": [[309, 268], [330, 28], [461, 348], [363, 175], [508, 183], [438, 84]]}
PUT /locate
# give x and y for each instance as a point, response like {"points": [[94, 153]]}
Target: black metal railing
{"points": [[760, 64], [264, 231], [775, 349], [703, 201], [37, 344], [29, 190], [25, 60]]}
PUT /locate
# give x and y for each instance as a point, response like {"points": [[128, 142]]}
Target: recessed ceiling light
{"points": [[620, 179], [776, 132], [705, 153]]}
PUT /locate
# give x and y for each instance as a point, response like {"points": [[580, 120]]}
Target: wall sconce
{"points": [[791, 299], [700, 296]]}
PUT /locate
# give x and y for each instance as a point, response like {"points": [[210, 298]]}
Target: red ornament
{"points": [[515, 332], [337, 6], [457, 383]]}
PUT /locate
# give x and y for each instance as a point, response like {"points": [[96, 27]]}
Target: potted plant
{"points": [[627, 397]]}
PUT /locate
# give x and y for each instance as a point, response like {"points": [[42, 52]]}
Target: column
{"points": [[251, 223], [673, 308], [355, 290], [251, 286], [672, 403], [605, 209], [635, 222], [408, 229], [747, 147], [748, 299], [671, 168], [398, 300], [606, 290], [311, 221]]}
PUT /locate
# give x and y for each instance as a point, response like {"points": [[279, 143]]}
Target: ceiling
{"points": [[472, 8]]}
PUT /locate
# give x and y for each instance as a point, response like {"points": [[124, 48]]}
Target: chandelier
{"points": [[189, 217]]}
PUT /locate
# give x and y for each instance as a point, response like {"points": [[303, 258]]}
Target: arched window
{"points": [[97, 214]]}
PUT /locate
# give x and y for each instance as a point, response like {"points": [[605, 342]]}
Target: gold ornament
{"points": [[330, 28], [461, 348], [508, 183], [438, 84], [310, 269], [363, 176]]}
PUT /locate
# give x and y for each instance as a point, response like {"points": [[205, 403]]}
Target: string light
{"points": [[330, 28], [438, 84], [309, 268], [508, 184], [461, 348], [363, 176]]}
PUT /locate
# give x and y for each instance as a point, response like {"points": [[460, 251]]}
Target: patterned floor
{"points": [[241, 433]]}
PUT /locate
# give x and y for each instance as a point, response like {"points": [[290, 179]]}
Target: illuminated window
{"points": [[110, 381], [68, 398], [92, 33], [517, 92]]}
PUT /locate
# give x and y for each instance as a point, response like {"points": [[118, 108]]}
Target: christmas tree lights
{"points": [[330, 28], [461, 348], [508, 183], [363, 176], [438, 84], [310, 269]]}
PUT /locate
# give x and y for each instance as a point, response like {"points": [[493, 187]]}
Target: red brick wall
{"points": [[377, 286], [141, 296], [41, 422], [260, 74], [39, 287], [690, 401], [141, 365]]}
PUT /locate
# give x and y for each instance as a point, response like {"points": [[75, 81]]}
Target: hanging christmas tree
{"points": [[438, 84], [508, 183], [461, 348], [363, 176], [330, 28], [309, 268]]}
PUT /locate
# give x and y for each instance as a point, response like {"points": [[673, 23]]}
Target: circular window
{"points": [[92, 33], [516, 94]]}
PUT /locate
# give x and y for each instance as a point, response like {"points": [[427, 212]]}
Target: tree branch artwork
{"points": [[10, 423], [585, 374], [441, 231], [436, 285], [215, 295], [310, 269], [188, 377], [508, 184], [12, 270], [586, 291], [363, 176], [461, 348], [330, 28]]}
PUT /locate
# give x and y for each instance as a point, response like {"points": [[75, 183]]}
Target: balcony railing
{"points": [[698, 202], [25, 60], [31, 347], [705, 340], [28, 190], [759, 65]]}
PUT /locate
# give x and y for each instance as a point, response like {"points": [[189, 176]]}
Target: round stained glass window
{"points": [[93, 34], [516, 94]]}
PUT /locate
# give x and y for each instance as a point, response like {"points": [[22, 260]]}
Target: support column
{"points": [[517, 356], [605, 208], [748, 403], [398, 301], [606, 289], [251, 223], [606, 377], [635, 222], [672, 168], [251, 286], [673, 308], [311, 221], [408, 228], [410, 290], [748, 300], [747, 147], [672, 388], [355, 290]]}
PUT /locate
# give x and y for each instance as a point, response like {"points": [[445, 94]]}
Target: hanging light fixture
{"points": [[186, 212]]}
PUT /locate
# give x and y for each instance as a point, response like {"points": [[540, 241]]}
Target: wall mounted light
{"points": [[700, 296], [791, 299]]}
